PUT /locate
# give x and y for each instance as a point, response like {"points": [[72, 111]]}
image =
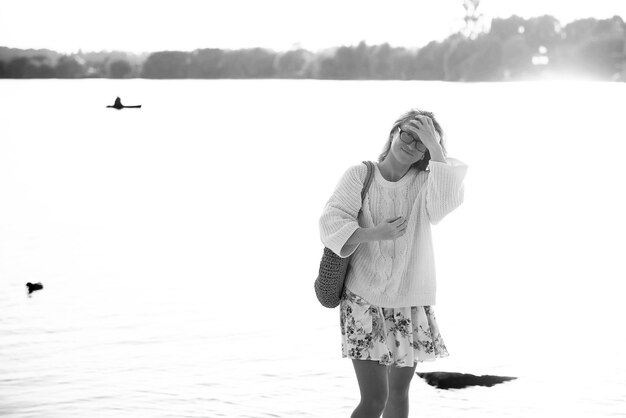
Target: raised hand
{"points": [[422, 128]]}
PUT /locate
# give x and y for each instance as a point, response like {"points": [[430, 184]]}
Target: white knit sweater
{"points": [[401, 272]]}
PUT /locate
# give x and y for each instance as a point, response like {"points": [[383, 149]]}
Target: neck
{"points": [[392, 169]]}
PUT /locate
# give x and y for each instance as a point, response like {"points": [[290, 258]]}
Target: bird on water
{"points": [[32, 287], [118, 105]]}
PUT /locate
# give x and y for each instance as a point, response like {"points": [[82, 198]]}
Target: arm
{"points": [[444, 188], [339, 227], [338, 221], [389, 229], [436, 154], [362, 235]]}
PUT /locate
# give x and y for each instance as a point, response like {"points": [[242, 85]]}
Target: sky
{"points": [[153, 25]]}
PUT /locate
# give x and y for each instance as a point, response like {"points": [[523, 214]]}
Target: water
{"points": [[178, 245]]}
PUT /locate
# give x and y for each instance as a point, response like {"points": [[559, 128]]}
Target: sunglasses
{"points": [[407, 138]]}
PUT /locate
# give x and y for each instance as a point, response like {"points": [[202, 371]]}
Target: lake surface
{"points": [[178, 245]]}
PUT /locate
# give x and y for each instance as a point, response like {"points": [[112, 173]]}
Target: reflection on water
{"points": [[177, 248]]}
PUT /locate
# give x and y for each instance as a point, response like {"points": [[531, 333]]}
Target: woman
{"points": [[387, 320]]}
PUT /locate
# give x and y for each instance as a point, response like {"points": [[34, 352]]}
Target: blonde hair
{"points": [[412, 114]]}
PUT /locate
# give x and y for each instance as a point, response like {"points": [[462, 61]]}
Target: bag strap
{"points": [[368, 180]]}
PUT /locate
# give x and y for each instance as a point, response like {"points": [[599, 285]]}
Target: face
{"points": [[407, 149]]}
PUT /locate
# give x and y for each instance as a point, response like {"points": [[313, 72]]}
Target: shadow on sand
{"points": [[453, 380]]}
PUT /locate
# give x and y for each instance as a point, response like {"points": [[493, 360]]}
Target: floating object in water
{"points": [[118, 105], [453, 380], [33, 287]]}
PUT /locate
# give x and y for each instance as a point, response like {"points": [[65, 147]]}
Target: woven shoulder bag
{"points": [[334, 269]]}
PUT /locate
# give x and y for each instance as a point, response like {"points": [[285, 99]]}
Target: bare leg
{"points": [[372, 378], [398, 402]]}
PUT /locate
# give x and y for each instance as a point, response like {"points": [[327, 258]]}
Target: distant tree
{"points": [[603, 53], [430, 62], [583, 30], [458, 49], [508, 50], [292, 64], [46, 71], [485, 63], [603, 56], [516, 57], [405, 65], [594, 46], [119, 68], [259, 63], [504, 29], [207, 63], [542, 31], [381, 61], [389, 63], [472, 18], [248, 63], [8, 54], [324, 67], [29, 67], [166, 64], [43, 67], [69, 67], [19, 68], [580, 30], [613, 26], [234, 65], [347, 63]]}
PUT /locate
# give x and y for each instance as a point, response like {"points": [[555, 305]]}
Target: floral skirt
{"points": [[401, 337]]}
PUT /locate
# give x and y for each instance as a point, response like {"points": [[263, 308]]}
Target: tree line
{"points": [[512, 48]]}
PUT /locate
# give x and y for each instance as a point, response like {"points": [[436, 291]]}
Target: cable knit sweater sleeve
{"points": [[444, 190], [339, 218]]}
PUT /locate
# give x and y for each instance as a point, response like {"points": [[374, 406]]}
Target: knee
{"points": [[375, 404], [399, 393]]}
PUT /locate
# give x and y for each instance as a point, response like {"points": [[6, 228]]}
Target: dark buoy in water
{"points": [[33, 287], [453, 380], [118, 105]]}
